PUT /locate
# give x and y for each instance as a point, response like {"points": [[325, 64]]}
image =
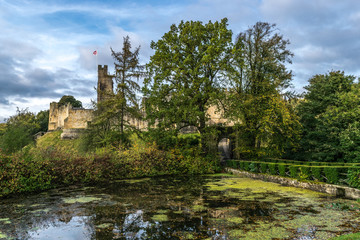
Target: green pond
{"points": [[199, 207]]}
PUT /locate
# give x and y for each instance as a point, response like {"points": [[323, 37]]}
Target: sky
{"points": [[46, 46]]}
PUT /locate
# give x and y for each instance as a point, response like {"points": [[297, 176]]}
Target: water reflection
{"points": [[74, 229], [214, 207]]}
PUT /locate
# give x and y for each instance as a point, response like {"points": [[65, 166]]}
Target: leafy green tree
{"points": [[329, 106], [257, 103], [185, 74], [2, 128], [42, 118], [114, 114], [70, 99], [19, 131]]}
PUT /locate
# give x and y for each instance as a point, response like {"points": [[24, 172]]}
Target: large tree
{"points": [[115, 113], [329, 106], [259, 78], [185, 74]]}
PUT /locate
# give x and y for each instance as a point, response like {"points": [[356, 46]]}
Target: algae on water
{"points": [[81, 200], [160, 218]]}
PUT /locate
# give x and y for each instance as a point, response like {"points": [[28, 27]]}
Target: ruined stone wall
{"points": [[66, 117], [78, 118], [57, 115]]}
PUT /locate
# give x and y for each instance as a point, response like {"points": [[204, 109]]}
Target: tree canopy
{"points": [[186, 73], [70, 99], [330, 105], [258, 79]]}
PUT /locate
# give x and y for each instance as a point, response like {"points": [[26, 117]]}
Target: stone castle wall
{"points": [[67, 117], [78, 118]]}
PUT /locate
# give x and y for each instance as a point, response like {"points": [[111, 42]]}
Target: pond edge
{"points": [[336, 190]]}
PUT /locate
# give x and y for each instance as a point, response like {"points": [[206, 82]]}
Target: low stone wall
{"points": [[340, 191]]}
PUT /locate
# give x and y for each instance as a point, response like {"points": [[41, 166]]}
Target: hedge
{"points": [[333, 174]]}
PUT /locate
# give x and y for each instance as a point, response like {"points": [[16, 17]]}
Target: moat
{"points": [[199, 207]]}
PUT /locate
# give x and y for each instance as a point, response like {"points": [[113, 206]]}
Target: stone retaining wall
{"points": [[340, 191]]}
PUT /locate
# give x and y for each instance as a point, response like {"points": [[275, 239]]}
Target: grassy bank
{"points": [[54, 162]]}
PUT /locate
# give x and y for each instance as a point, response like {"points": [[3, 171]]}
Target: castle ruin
{"points": [[74, 120]]}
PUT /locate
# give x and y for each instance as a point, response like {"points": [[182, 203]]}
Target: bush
{"points": [[246, 166], [316, 172], [294, 171], [230, 163], [282, 169], [252, 167], [272, 168], [331, 174], [241, 165], [51, 167], [304, 173], [263, 167], [353, 177]]}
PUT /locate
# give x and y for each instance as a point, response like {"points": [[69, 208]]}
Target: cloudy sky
{"points": [[46, 46]]}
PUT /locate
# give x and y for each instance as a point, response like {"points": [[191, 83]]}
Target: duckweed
{"points": [[199, 208], [160, 218], [104, 225], [236, 220], [81, 200], [221, 207], [162, 211]]}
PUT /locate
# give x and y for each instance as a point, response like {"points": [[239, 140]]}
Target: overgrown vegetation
{"points": [[56, 162]]}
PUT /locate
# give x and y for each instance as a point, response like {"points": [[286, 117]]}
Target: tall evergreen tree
{"points": [[114, 114], [127, 71]]}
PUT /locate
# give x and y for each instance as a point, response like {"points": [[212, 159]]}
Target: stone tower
{"points": [[105, 83]]}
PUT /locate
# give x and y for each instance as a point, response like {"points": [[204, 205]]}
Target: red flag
{"points": [[95, 52]]}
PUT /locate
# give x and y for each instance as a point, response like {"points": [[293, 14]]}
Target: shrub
{"points": [[331, 174], [304, 173], [257, 167], [253, 167], [246, 166], [263, 167], [316, 173], [282, 169], [353, 177], [294, 171], [51, 167], [272, 168], [241, 165], [230, 163]]}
